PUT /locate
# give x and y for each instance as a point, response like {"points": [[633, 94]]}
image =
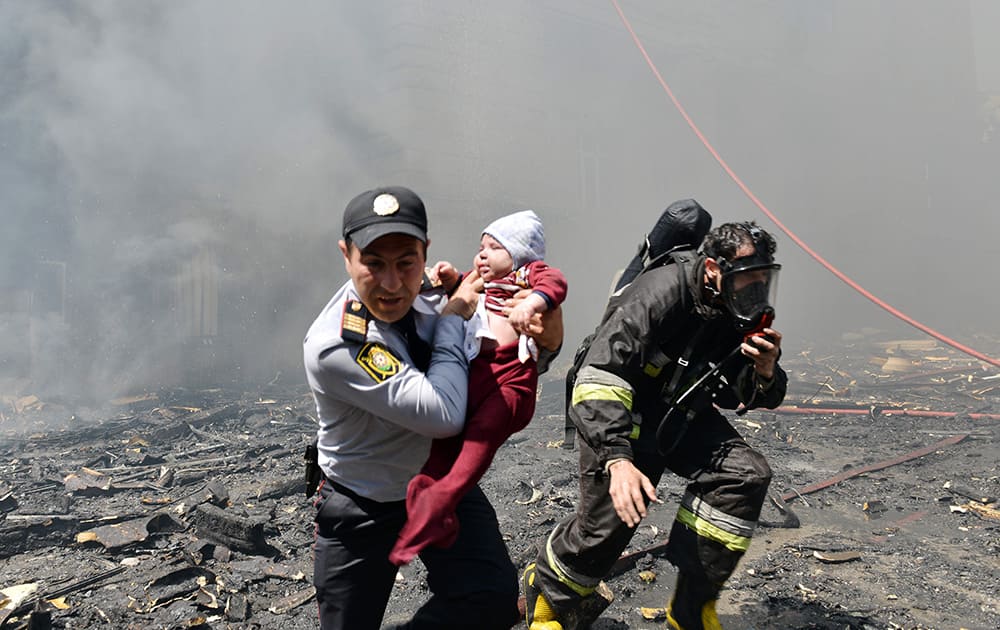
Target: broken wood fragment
{"points": [[176, 584], [285, 604], [627, 561], [197, 420], [836, 557], [29, 602], [263, 568], [229, 529], [237, 607], [119, 535], [980, 510], [653, 614], [87, 480], [279, 489], [126, 401]]}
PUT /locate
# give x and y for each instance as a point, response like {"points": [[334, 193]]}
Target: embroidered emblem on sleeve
{"points": [[378, 361]]}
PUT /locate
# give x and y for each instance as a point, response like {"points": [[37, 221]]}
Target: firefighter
{"points": [[679, 341]]}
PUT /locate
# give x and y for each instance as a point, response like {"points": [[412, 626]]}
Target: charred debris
{"points": [[185, 508]]}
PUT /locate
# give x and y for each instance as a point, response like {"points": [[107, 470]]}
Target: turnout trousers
{"points": [[714, 523], [473, 583]]}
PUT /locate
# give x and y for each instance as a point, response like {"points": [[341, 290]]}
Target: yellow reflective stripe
{"points": [[634, 435], [652, 370], [556, 566], [707, 530], [592, 391]]}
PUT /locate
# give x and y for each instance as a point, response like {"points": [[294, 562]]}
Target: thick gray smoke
{"points": [[172, 174]]}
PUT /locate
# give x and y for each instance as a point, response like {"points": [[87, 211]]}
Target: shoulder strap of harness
{"points": [[683, 257]]}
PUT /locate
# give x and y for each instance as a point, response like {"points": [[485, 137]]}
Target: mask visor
{"points": [[749, 292]]}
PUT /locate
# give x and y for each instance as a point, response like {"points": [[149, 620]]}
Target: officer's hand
{"points": [[627, 487], [550, 336], [763, 351], [464, 300], [446, 274]]}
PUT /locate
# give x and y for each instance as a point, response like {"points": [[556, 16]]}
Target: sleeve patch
{"points": [[378, 361]]}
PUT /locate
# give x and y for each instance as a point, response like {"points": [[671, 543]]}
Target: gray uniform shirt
{"points": [[377, 412]]}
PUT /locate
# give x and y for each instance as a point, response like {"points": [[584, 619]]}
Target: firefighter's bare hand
{"points": [[763, 351], [628, 485]]}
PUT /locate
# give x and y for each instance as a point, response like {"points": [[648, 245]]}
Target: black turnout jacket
{"points": [[657, 337]]}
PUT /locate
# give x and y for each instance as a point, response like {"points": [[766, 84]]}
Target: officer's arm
{"points": [[371, 377]]}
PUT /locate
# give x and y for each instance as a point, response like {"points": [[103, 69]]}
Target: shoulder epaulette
{"points": [[354, 326]]}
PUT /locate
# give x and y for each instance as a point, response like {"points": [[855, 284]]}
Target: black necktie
{"points": [[419, 349]]}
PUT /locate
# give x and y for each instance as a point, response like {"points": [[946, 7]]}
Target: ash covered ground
{"points": [[184, 509]]}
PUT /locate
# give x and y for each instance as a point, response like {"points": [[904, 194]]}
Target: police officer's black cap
{"points": [[386, 210]]}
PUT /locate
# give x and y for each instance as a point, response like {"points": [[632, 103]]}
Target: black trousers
{"points": [[728, 485], [473, 583]]}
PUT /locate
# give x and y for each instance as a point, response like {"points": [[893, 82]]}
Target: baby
{"points": [[503, 379]]}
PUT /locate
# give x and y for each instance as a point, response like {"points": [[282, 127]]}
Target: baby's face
{"points": [[492, 261]]}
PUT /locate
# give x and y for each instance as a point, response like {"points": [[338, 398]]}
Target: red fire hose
{"points": [[739, 182], [878, 411]]}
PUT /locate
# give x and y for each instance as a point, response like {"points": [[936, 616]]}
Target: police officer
{"points": [[678, 341], [382, 394]]}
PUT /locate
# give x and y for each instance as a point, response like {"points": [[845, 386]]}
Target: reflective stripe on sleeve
{"points": [[594, 384], [585, 392]]}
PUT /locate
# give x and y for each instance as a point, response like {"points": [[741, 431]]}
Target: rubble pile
{"points": [[185, 509]]}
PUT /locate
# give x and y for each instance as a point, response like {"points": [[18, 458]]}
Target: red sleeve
{"points": [[547, 280]]}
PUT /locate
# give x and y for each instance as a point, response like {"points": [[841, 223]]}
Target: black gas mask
{"points": [[750, 286]]}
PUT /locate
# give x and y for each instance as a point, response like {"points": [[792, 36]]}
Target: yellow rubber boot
{"points": [[538, 613], [709, 620], [692, 606]]}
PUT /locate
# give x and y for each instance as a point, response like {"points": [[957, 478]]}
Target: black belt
{"points": [[340, 488]]}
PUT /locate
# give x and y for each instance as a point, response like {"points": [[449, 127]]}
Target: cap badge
{"points": [[385, 204]]}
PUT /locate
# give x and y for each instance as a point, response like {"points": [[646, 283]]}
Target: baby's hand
{"points": [[446, 274], [520, 316]]}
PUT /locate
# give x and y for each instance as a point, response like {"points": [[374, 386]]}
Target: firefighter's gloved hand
{"points": [[627, 488]]}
